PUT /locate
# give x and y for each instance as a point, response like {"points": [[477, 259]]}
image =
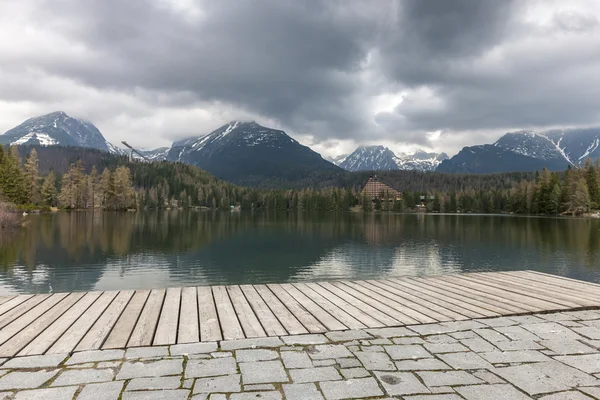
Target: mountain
{"points": [[251, 154], [528, 151], [59, 129], [380, 158], [337, 160], [159, 154]]}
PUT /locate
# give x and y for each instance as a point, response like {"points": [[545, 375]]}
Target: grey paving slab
{"points": [[263, 372], [423, 364], [588, 332], [228, 383], [572, 395], [400, 352], [261, 387], [551, 330], [101, 391], [464, 360], [565, 374], [328, 351], [318, 374], [296, 359], [491, 392], [519, 345], [305, 339], [212, 367], [324, 363], [256, 395], [82, 376], [180, 394], [154, 383], [137, 369], [47, 394], [25, 380], [374, 361], [345, 336], [193, 348], [357, 372], [229, 345], [351, 389], [589, 363], [448, 378], [567, 347], [530, 380], [445, 347], [255, 355], [147, 352], [434, 397], [390, 332], [401, 383], [496, 357], [45, 361], [95, 356], [478, 344], [348, 362], [302, 391]]}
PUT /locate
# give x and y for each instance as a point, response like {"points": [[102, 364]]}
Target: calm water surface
{"points": [[104, 251]]}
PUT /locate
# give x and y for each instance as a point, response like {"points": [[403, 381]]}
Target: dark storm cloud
{"points": [[314, 67]]}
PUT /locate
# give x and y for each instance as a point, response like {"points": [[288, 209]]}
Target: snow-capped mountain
{"points": [[57, 128], [159, 154], [528, 151], [379, 158], [248, 153], [338, 159]]}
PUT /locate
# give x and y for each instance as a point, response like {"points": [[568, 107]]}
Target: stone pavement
{"points": [[546, 356]]}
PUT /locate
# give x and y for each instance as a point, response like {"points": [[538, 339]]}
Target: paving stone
{"points": [[497, 321], [324, 351], [237, 344], [441, 389], [348, 362], [463, 335], [136, 369], [429, 329], [496, 357], [465, 325], [101, 391], [214, 396], [255, 355], [563, 373], [559, 316], [379, 341], [592, 391], [530, 380], [584, 315], [262, 387], [217, 354], [347, 335], [492, 335], [440, 339], [372, 349], [566, 396], [78, 377], [25, 380], [296, 359], [305, 339], [588, 331], [45, 361], [408, 340], [445, 347], [448, 378], [323, 363], [6, 395], [169, 382], [180, 394], [351, 389], [572, 324], [464, 361], [187, 383], [146, 352], [193, 348], [358, 372], [519, 345], [318, 374], [516, 333], [376, 361], [551, 330], [423, 364], [108, 364], [212, 367], [95, 356], [302, 391], [263, 372], [391, 332], [80, 366], [399, 352], [434, 397], [47, 394], [401, 383], [487, 376], [491, 392], [566, 347], [256, 395], [527, 319], [229, 384], [478, 345]]}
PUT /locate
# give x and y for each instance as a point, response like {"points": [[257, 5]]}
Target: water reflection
{"points": [[85, 251]]}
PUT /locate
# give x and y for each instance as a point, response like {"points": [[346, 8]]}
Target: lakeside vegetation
{"points": [[60, 181]]}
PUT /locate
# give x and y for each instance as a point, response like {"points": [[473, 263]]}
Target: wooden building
{"points": [[377, 189]]}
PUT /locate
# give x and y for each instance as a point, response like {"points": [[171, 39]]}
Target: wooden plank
{"points": [[482, 308], [336, 312], [45, 339], [307, 319], [12, 346], [287, 319], [248, 320], [21, 309], [460, 307], [507, 305], [166, 331], [544, 301], [564, 283], [383, 318], [229, 322], [26, 319], [398, 303], [144, 330], [361, 316], [423, 306], [319, 313], [4, 299], [544, 289], [189, 325], [97, 334], [13, 302], [531, 303], [207, 312], [269, 321], [389, 308], [67, 341], [592, 285], [119, 336]]}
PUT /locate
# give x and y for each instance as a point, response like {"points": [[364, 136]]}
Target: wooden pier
{"points": [[70, 322]]}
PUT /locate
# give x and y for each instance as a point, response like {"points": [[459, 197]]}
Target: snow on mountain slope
{"points": [[378, 158]]}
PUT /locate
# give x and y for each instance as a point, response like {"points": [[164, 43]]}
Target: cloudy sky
{"points": [[432, 74]]}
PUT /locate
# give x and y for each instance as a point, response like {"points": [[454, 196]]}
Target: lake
{"points": [[77, 251]]}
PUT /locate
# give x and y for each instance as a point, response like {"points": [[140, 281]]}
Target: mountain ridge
{"points": [[381, 158]]}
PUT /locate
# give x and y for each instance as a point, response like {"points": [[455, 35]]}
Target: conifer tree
{"points": [[32, 178], [12, 184], [49, 193]]}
